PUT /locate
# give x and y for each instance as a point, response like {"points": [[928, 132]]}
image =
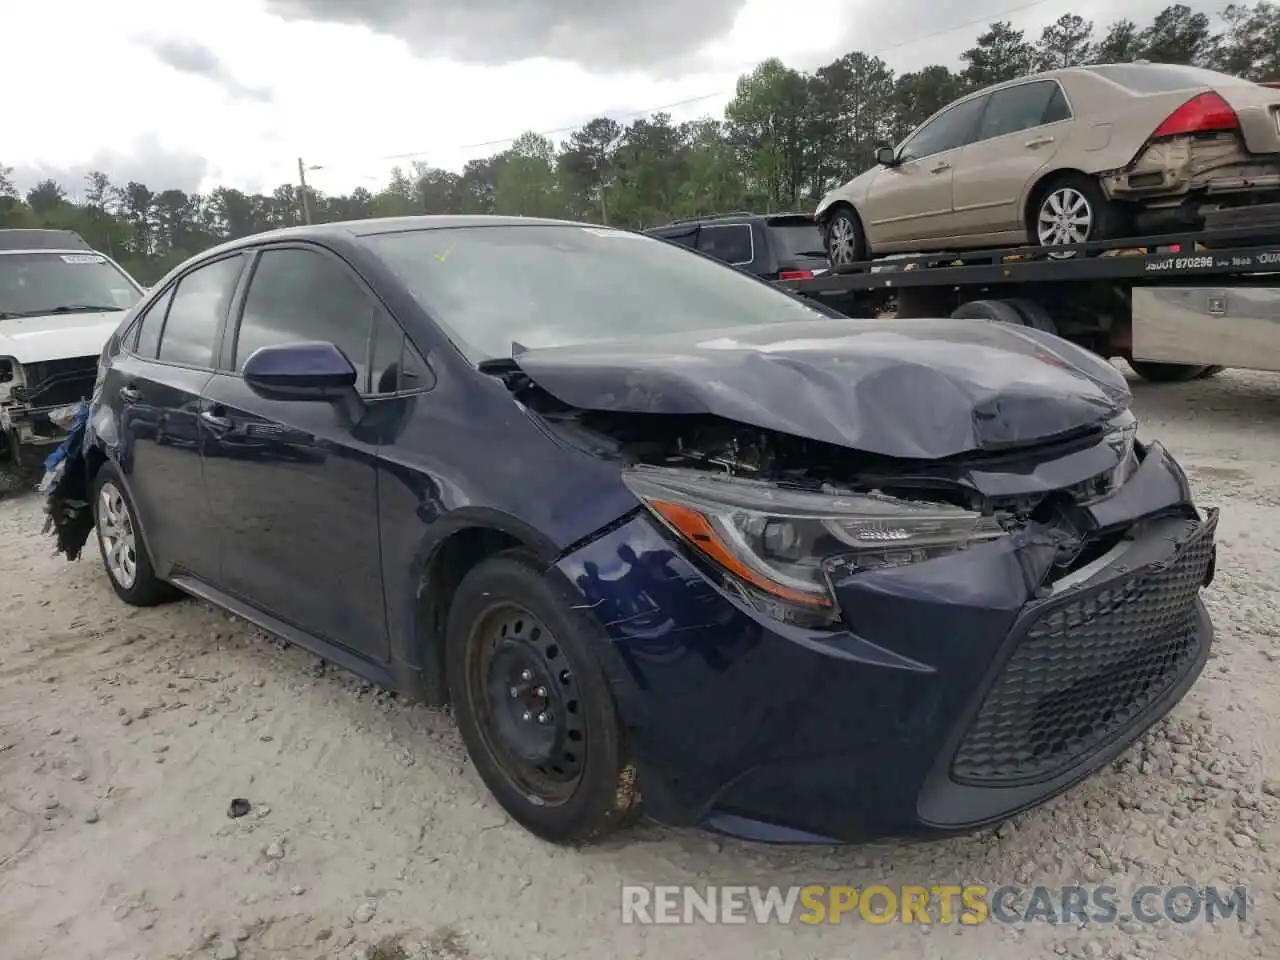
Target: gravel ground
{"points": [[124, 734]]}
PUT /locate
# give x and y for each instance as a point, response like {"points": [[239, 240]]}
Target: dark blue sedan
{"points": [[655, 528]]}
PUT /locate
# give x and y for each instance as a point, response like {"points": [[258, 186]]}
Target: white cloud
{"points": [[246, 93]]}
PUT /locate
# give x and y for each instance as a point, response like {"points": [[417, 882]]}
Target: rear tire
{"points": [[124, 555], [1208, 372], [534, 705], [1072, 208], [1001, 311], [1166, 372], [1034, 315], [845, 240]]}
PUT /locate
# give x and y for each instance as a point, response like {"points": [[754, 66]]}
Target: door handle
{"points": [[1038, 142], [215, 421], [130, 394], [941, 168]]}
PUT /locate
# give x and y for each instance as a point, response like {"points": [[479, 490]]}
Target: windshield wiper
{"points": [[85, 308], [67, 308]]}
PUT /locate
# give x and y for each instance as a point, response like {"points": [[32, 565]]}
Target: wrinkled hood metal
{"points": [[917, 389], [58, 336]]}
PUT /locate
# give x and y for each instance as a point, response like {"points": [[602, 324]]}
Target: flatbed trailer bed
{"points": [[1176, 306]]}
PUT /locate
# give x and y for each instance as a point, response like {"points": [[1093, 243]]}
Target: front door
{"points": [[293, 484], [155, 388], [912, 200]]}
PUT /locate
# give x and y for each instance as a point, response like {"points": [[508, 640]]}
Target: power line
{"points": [[988, 18]]}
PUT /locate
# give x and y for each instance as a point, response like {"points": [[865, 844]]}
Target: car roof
{"points": [[51, 250], [374, 226], [28, 239], [729, 218]]}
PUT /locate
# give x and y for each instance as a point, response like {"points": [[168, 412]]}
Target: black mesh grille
{"points": [[1085, 669], [53, 383]]}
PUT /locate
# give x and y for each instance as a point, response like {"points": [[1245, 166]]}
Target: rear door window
{"points": [[1019, 108], [144, 338], [731, 242], [196, 311]]}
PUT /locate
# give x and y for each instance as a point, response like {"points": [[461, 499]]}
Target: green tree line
{"points": [[786, 137]]}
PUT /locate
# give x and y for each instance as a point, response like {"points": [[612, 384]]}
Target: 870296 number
{"points": [[1180, 263]]}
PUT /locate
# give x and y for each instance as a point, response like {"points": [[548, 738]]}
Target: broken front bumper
{"points": [[963, 689]]}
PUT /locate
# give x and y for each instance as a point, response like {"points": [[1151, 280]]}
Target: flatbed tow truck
{"points": [[1175, 307]]}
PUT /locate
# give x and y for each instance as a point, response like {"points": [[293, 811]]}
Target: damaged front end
{"points": [[829, 643], [69, 517], [33, 399]]}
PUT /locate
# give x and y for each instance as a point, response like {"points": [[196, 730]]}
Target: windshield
{"points": [[553, 285], [38, 283]]}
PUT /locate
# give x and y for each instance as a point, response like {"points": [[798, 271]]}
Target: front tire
{"points": [[844, 237], [1072, 209], [124, 555], [533, 703]]}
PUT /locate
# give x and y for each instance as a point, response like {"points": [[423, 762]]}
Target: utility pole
{"points": [[306, 196]]}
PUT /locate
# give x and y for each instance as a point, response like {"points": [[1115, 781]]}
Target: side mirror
{"points": [[301, 371], [886, 157]]}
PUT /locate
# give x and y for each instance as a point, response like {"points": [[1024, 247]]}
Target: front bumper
{"points": [[964, 689], [25, 427]]}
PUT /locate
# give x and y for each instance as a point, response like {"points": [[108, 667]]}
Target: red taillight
{"points": [[1205, 113], [795, 275]]}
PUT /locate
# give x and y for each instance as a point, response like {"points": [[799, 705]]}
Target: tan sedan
{"points": [[1067, 156]]}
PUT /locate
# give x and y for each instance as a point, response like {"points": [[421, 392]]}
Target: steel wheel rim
{"points": [[1066, 216], [116, 534], [842, 243], [525, 701]]}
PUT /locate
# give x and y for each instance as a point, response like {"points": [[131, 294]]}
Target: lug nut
{"points": [[526, 675], [515, 693], [544, 717], [541, 691], [526, 716]]}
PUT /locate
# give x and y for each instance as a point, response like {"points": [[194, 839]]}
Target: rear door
{"points": [[1022, 129], [293, 485], [154, 386]]}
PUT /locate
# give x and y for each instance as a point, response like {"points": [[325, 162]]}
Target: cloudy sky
{"points": [[193, 94]]}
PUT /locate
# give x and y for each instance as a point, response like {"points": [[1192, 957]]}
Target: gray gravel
{"points": [[124, 734]]}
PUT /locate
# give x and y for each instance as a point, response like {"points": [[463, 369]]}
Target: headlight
{"points": [[780, 547], [1123, 439]]}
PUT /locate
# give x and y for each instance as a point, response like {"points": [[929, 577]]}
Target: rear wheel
{"points": [[1166, 372], [123, 553], [533, 704], [1002, 311], [845, 239], [1072, 209]]}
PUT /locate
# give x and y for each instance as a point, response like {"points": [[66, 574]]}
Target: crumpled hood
{"points": [[57, 337], [918, 389]]}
